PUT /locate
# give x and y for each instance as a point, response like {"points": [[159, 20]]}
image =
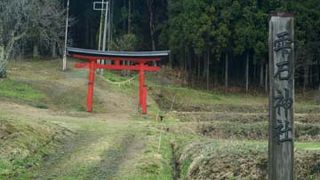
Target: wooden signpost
{"points": [[281, 99]]}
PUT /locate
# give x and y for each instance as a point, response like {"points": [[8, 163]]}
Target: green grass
{"points": [[116, 82], [18, 90], [152, 164], [263, 145], [25, 143], [308, 146], [186, 99], [192, 96], [116, 77]]}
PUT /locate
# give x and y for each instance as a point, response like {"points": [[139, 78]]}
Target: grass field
{"points": [[45, 132]]}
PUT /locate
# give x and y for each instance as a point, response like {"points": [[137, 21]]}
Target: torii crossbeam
{"points": [[139, 62]]}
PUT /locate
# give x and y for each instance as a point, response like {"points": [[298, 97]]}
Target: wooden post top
{"points": [[281, 14]]}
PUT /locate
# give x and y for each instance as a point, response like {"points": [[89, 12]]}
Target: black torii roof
{"points": [[127, 54]]}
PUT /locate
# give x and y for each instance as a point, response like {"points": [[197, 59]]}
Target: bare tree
{"points": [[46, 25], [13, 19], [39, 22]]}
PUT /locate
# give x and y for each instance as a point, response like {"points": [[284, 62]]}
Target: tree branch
{"points": [[11, 44]]}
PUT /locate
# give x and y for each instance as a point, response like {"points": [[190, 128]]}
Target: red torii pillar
{"points": [[139, 64], [91, 77], [143, 90]]}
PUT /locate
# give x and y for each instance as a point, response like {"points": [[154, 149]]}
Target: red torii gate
{"points": [[139, 63]]}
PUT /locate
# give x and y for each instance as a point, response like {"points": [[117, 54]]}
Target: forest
{"points": [[215, 44], [209, 109]]}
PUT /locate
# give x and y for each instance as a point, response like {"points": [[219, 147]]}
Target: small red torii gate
{"points": [[139, 63]]}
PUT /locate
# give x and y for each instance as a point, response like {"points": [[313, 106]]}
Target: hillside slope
{"points": [[46, 134]]}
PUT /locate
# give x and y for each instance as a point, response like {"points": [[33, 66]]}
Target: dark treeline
{"points": [[217, 43], [225, 42]]}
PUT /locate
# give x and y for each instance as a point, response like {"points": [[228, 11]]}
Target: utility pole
{"points": [[100, 34], [100, 28], [64, 60], [103, 37], [105, 33], [111, 19], [129, 16], [104, 8], [105, 27], [109, 25]]}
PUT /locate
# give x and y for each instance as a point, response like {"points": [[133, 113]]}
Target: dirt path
{"points": [[91, 155], [102, 141]]}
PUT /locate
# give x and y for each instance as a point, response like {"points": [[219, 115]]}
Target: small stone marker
{"points": [[281, 99]]}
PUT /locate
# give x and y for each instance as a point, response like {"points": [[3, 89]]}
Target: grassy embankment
{"points": [[230, 133]]}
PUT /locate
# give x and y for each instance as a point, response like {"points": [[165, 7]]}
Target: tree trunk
{"points": [[199, 69], [319, 74], [109, 24], [124, 24], [111, 20], [35, 51], [254, 73], [204, 72], [261, 74], [129, 16], [64, 58], [208, 69], [311, 76], [306, 77], [216, 72], [151, 23], [190, 70], [5, 52], [185, 59], [21, 52], [226, 77], [3, 63], [171, 60], [266, 79], [247, 73], [54, 50]]}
